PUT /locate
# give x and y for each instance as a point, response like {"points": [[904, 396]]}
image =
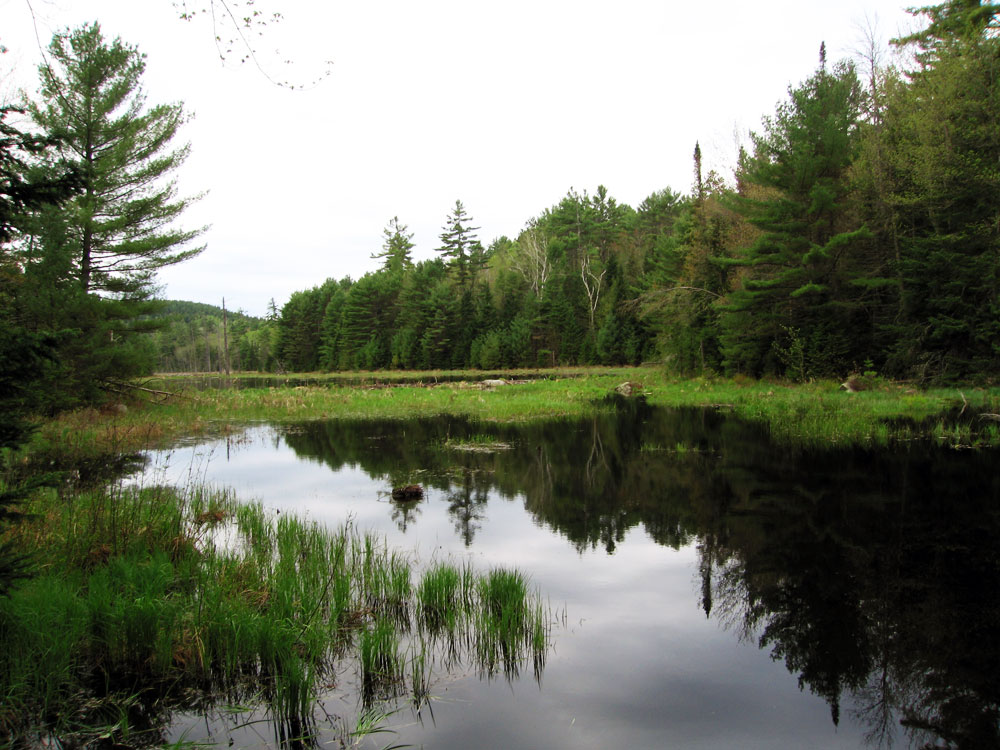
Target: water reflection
{"points": [[872, 575]]}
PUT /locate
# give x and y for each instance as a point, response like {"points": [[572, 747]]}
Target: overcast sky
{"points": [[505, 106]]}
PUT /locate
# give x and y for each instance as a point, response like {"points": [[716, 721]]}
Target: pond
{"points": [[711, 589]]}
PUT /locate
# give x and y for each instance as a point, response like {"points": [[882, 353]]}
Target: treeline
{"points": [[860, 230], [556, 295]]}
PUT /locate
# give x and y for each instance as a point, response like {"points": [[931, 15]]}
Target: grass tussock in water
{"points": [[160, 594]]}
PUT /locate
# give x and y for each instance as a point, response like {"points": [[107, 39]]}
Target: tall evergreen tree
{"points": [[89, 268], [946, 191], [368, 321], [27, 354], [301, 325], [949, 21], [686, 277], [800, 308], [457, 241], [396, 247], [415, 312], [118, 230]]}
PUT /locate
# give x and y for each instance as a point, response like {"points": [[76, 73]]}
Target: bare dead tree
{"points": [[593, 283], [531, 259]]}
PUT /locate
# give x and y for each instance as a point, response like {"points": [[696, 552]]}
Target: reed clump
{"points": [[169, 594]]}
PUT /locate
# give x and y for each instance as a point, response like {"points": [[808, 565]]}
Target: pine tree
{"points": [[89, 268], [396, 247], [946, 193], [117, 231], [457, 242], [803, 289], [951, 20]]}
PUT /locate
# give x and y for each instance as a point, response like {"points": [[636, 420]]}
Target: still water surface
{"points": [[715, 590]]}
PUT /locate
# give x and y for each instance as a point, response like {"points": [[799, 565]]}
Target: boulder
{"points": [[628, 389]]}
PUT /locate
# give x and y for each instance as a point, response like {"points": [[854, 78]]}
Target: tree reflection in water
{"points": [[872, 575]]}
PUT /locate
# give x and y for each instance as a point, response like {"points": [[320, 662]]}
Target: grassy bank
{"points": [[148, 601], [822, 412], [814, 412]]}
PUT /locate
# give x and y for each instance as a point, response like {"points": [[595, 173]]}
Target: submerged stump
{"points": [[409, 492]]}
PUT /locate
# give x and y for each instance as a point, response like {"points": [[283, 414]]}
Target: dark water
{"points": [[719, 590]]}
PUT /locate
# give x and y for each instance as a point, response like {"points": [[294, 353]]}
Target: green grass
{"points": [[505, 609], [165, 595], [820, 412], [91, 432], [814, 412], [479, 443], [440, 596]]}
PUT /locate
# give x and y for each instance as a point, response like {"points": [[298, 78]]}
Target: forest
{"points": [[858, 232]]}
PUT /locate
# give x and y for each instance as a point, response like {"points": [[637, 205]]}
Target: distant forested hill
{"points": [[194, 335]]}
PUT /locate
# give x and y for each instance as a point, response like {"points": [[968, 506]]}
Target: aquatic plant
{"points": [[381, 663], [439, 595], [175, 592]]}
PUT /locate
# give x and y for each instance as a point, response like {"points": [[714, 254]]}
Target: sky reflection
{"points": [[637, 662]]}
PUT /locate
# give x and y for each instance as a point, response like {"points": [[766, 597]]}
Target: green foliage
{"points": [[800, 267], [117, 226], [396, 248], [459, 245], [862, 220], [92, 206], [945, 194], [24, 191]]}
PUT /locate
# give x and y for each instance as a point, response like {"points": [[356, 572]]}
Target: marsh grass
{"points": [[440, 597], [815, 412], [224, 412], [170, 594], [821, 413], [381, 661]]}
